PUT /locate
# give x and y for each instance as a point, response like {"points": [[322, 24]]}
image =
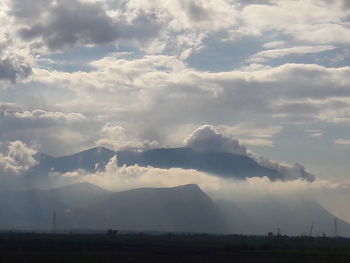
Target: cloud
{"points": [[345, 3], [12, 117], [121, 88], [116, 177], [290, 173], [206, 138], [315, 133], [266, 55], [119, 178], [292, 91], [51, 131], [257, 142], [59, 117], [16, 158], [172, 27], [312, 21], [149, 84], [117, 138], [16, 60], [177, 27], [249, 129], [342, 141], [12, 69], [62, 24], [194, 15]]}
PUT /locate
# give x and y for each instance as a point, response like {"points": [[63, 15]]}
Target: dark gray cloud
{"points": [[27, 10], [255, 2], [69, 23], [12, 69], [346, 3], [196, 12]]}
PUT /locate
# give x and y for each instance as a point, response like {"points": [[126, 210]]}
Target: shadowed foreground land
{"points": [[169, 248]]}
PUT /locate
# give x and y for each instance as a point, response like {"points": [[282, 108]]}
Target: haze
{"points": [[248, 100]]}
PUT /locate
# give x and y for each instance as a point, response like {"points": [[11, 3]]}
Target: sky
{"points": [[142, 74]]}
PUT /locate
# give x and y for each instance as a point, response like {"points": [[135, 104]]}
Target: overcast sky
{"points": [[136, 74]]}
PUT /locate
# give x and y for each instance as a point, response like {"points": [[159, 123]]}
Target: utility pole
{"points": [[278, 232], [311, 229], [53, 224], [335, 227]]}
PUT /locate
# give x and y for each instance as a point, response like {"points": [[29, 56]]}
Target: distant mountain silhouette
{"points": [[88, 160], [34, 208], [219, 163], [293, 215], [185, 208]]}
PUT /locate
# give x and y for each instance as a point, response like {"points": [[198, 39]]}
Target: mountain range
{"points": [[29, 201], [184, 208], [219, 163]]}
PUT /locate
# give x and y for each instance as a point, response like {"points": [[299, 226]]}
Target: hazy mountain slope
{"points": [[184, 208], [292, 215], [236, 219], [34, 208], [88, 160]]}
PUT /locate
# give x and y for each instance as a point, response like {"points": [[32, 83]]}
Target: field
{"points": [[35, 247]]}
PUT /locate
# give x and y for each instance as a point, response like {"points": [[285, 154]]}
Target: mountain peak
{"points": [[188, 187], [97, 149]]}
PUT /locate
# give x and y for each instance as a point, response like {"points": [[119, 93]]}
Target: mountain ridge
{"points": [[184, 208], [222, 164]]}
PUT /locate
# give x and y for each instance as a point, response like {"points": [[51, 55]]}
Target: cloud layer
{"points": [[138, 74]]}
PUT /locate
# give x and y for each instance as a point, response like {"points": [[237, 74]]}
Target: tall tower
{"points": [[53, 224]]}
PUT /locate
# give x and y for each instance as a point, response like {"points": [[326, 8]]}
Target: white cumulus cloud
{"points": [[16, 158]]}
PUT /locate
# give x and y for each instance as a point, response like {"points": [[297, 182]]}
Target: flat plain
{"points": [[141, 247]]}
